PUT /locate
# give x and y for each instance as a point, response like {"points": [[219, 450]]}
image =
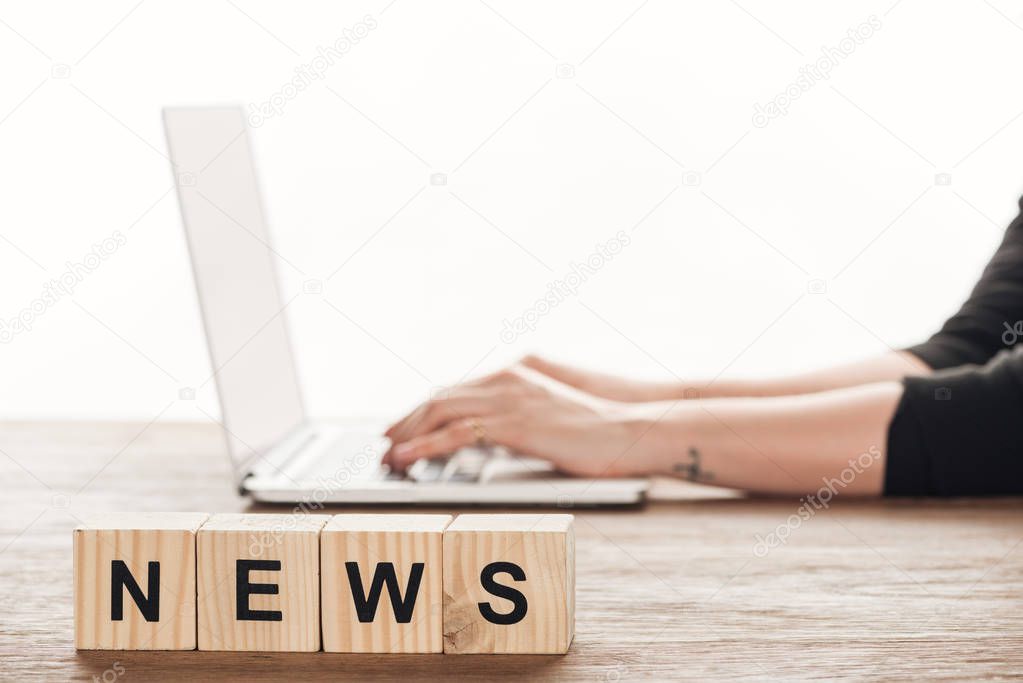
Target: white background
{"points": [[540, 169]]}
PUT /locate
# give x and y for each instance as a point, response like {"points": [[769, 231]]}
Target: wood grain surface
{"points": [[892, 589]]}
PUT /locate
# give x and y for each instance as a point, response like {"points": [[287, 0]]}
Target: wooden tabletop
{"points": [[680, 588]]}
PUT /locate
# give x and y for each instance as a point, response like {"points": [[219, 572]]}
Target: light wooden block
{"points": [[497, 565], [118, 560], [399, 564], [276, 607]]}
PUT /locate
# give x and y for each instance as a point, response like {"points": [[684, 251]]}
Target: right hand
{"points": [[530, 413]]}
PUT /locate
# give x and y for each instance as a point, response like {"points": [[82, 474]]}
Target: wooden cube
{"points": [[259, 582], [509, 584], [134, 582], [381, 585]]}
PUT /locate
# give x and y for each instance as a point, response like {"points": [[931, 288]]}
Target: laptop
{"points": [[277, 453]]}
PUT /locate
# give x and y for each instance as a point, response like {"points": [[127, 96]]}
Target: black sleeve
{"points": [[986, 323], [959, 432]]}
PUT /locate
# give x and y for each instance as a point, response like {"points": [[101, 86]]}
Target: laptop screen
{"points": [[235, 273]]}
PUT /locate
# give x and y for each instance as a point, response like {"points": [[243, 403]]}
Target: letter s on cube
{"points": [[509, 584]]}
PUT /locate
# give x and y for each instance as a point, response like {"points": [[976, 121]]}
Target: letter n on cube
{"points": [[134, 581]]}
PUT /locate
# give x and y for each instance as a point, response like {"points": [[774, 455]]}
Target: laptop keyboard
{"points": [[350, 459], [351, 456], [464, 467], [480, 466]]}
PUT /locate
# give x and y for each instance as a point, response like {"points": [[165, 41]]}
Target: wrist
{"points": [[657, 433]]}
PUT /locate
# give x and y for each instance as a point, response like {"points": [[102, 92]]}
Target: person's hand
{"points": [[528, 412], [605, 385]]}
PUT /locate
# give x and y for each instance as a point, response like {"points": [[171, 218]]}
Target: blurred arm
{"points": [[888, 367], [777, 445]]}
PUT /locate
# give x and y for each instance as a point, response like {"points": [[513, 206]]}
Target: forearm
{"points": [[778, 445], [887, 367], [891, 366]]}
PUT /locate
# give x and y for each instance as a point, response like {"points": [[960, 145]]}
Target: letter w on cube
{"points": [[363, 554]]}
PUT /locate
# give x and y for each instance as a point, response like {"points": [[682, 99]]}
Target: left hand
{"points": [[529, 413]]}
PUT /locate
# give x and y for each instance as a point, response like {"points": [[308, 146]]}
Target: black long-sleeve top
{"points": [[959, 432]]}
